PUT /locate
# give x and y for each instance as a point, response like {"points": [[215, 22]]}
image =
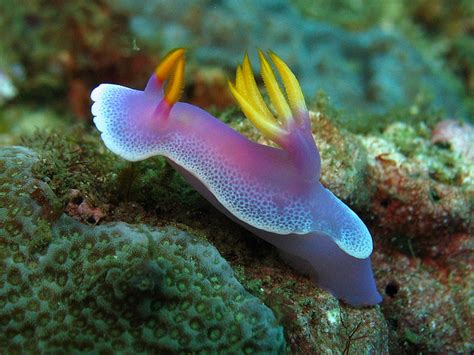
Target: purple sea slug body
{"points": [[273, 192]]}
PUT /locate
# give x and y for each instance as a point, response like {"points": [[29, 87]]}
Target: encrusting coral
{"points": [[424, 193], [66, 286]]}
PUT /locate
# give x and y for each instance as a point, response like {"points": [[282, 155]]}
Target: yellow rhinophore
{"points": [[172, 67], [254, 107]]}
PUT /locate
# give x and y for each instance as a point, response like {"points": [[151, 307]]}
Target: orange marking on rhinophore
{"points": [[176, 83], [168, 63]]}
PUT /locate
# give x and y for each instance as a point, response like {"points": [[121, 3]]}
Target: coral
{"points": [[368, 72], [151, 192], [439, 29], [449, 25], [459, 135], [65, 286], [424, 192]]}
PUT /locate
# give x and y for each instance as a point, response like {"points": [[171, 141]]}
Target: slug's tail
{"points": [[348, 278], [131, 121]]}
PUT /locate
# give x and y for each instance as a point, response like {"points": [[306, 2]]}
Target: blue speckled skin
{"points": [[273, 192], [313, 254]]}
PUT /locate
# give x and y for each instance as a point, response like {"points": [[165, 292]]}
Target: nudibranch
{"points": [[273, 192]]}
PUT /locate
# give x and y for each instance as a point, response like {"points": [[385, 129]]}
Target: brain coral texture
{"points": [[65, 286]]}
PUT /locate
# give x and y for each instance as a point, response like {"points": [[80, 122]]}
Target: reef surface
{"points": [[103, 246], [88, 189]]}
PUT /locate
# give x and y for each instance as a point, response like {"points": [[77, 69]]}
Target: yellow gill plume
{"points": [[253, 94], [292, 87], [254, 107], [276, 96]]}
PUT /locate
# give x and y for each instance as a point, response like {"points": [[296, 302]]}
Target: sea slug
{"points": [[273, 192]]}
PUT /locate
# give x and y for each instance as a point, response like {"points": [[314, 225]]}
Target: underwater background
{"points": [[102, 255]]}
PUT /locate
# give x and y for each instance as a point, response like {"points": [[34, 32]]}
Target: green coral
{"points": [[443, 165], [65, 286]]}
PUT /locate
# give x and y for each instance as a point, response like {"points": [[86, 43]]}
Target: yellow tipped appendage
{"points": [[253, 94], [248, 96], [263, 123], [292, 87], [273, 89], [172, 67], [176, 83]]}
